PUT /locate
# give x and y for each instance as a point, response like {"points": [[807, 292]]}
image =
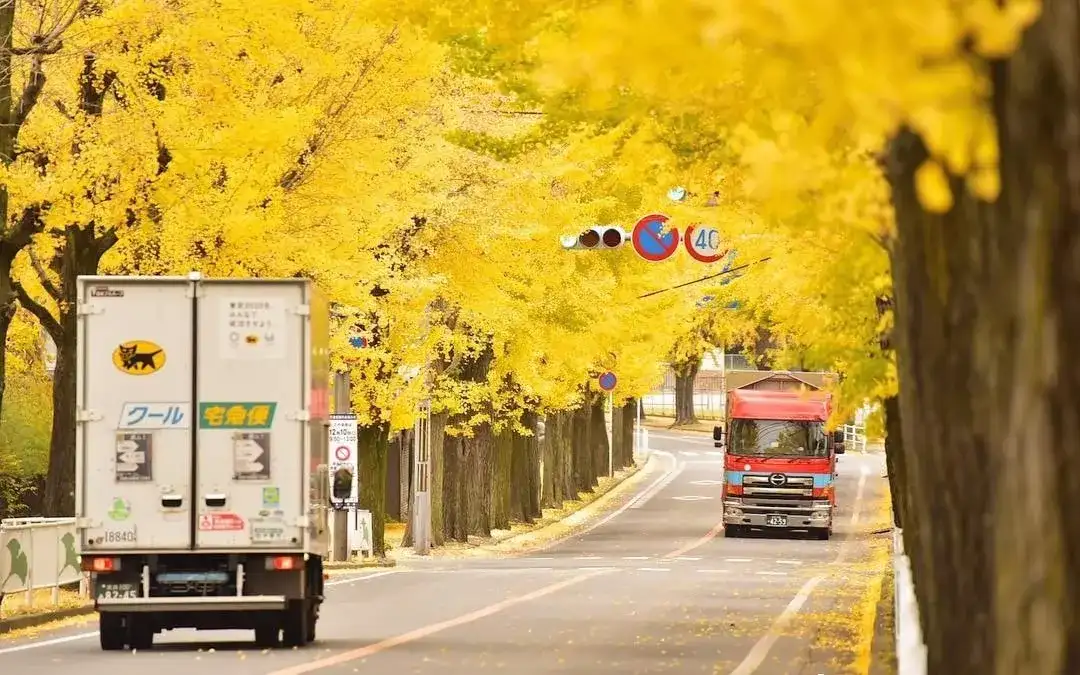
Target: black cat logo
{"points": [[139, 357]]}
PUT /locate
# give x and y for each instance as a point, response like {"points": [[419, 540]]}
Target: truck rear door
{"points": [[134, 437], [251, 383]]}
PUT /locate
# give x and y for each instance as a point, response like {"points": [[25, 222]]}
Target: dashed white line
{"points": [[713, 571], [788, 562], [739, 560], [588, 557], [654, 569], [688, 453], [635, 557], [767, 573]]}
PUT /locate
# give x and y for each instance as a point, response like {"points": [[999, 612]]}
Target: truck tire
{"points": [[294, 629], [140, 634], [822, 533], [267, 636], [733, 531], [111, 632], [313, 618]]}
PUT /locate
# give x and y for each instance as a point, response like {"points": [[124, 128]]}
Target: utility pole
{"points": [[342, 404]]}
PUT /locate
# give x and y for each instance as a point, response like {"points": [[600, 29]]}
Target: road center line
{"points": [[420, 633], [709, 536]]}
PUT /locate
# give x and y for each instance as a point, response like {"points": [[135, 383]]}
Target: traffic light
{"points": [[601, 237]]}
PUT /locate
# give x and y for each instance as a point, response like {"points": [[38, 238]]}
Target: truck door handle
{"points": [[215, 501], [171, 501]]}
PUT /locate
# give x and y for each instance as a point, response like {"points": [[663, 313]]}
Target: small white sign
{"points": [[344, 470], [360, 538], [252, 328], [176, 415]]}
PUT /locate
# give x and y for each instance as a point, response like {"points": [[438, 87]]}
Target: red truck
{"points": [[779, 462]]}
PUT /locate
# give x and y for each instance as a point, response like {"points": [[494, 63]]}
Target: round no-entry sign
{"points": [[703, 243], [342, 453]]}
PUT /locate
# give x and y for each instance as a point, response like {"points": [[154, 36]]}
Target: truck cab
{"points": [[779, 462]]}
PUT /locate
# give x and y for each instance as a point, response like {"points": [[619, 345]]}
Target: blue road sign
{"points": [[607, 381], [358, 341], [651, 242]]}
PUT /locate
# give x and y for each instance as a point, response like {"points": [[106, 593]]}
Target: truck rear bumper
{"points": [[194, 604]]}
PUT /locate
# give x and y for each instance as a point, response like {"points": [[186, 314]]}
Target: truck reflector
{"points": [[92, 564]]}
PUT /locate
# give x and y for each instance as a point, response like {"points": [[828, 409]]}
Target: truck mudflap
{"points": [[245, 603]]}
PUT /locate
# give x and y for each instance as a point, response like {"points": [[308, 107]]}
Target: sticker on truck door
{"points": [[134, 457], [138, 357], [219, 522], [251, 456], [252, 328]]}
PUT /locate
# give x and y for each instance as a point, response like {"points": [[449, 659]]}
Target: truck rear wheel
{"points": [[140, 634], [295, 628], [111, 632], [267, 636]]}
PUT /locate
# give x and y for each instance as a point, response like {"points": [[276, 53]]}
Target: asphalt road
{"points": [[654, 588]]}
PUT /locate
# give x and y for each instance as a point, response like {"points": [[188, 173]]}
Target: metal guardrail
{"points": [[855, 436], [39, 553], [910, 648]]}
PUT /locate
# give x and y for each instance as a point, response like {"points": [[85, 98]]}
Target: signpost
{"points": [[651, 242], [344, 443], [607, 382], [703, 243]]}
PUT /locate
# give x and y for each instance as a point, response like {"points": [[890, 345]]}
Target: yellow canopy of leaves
{"points": [[424, 182]]}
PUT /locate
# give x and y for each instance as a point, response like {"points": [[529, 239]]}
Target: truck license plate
{"points": [[111, 590], [776, 521]]}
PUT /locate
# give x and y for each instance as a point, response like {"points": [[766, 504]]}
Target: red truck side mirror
{"points": [[838, 441], [718, 436]]}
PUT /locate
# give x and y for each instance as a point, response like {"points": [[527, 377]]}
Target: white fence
{"points": [[910, 648], [707, 405], [39, 553], [855, 437]]}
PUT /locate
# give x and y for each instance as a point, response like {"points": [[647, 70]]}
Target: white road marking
{"points": [[688, 453], [859, 494], [706, 483], [713, 571], [760, 650], [715, 453], [588, 557], [84, 636], [654, 569], [738, 560], [692, 498], [788, 562], [767, 573], [635, 557], [647, 494]]}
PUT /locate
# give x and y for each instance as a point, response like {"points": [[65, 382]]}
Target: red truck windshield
{"points": [[778, 438]]}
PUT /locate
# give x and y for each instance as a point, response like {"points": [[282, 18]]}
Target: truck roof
{"points": [[810, 406]]}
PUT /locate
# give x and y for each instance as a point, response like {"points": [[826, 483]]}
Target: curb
{"points": [[586, 513], [360, 564], [32, 620], [668, 427]]}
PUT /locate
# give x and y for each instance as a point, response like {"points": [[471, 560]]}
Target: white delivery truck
{"points": [[201, 474]]}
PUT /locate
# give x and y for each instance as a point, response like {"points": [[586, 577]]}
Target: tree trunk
{"points": [[532, 453], [81, 255], [438, 472], [685, 374], [598, 438], [524, 488], [629, 423], [455, 513], [503, 451], [479, 469], [894, 459], [373, 449], [584, 475], [987, 313], [550, 460]]}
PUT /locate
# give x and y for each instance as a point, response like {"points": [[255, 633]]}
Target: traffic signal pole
{"points": [[342, 404]]}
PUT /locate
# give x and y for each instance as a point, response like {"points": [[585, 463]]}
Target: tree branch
{"points": [[44, 316], [31, 91], [43, 276]]}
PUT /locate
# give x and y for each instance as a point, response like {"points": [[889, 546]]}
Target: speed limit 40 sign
{"points": [[703, 243]]}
